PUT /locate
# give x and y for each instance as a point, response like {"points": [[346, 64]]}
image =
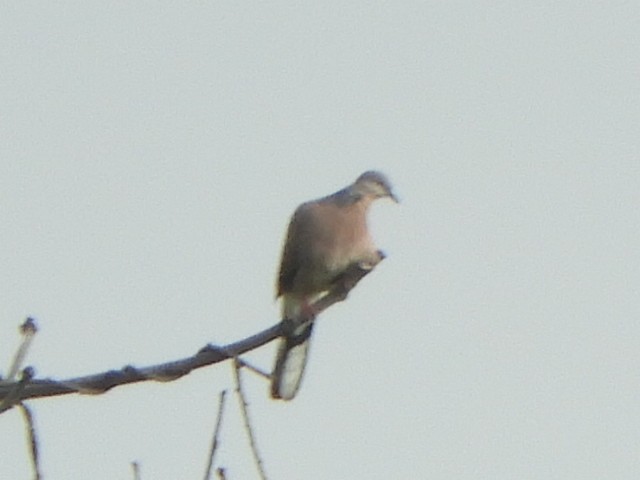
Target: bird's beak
{"points": [[393, 197]]}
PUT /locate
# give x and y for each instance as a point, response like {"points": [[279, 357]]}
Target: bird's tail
{"points": [[290, 362]]}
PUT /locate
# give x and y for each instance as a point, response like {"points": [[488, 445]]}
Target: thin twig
{"points": [[28, 330], [216, 432], [136, 470], [247, 422], [33, 440], [253, 368]]}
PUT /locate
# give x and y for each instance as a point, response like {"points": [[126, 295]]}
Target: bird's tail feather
{"points": [[290, 362]]}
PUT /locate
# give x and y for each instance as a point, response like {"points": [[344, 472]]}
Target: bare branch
{"points": [[214, 442], [247, 421], [102, 382], [12, 393], [33, 440]]}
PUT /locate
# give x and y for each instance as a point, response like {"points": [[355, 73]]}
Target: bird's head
{"points": [[374, 184]]}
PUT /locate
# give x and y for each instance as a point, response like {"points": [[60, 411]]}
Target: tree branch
{"points": [[12, 393]]}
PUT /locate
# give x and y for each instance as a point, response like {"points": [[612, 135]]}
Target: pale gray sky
{"points": [[151, 154]]}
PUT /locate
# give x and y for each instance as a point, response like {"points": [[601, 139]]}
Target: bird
{"points": [[324, 238]]}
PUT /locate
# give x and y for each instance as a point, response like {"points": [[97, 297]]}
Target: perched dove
{"points": [[324, 238]]}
